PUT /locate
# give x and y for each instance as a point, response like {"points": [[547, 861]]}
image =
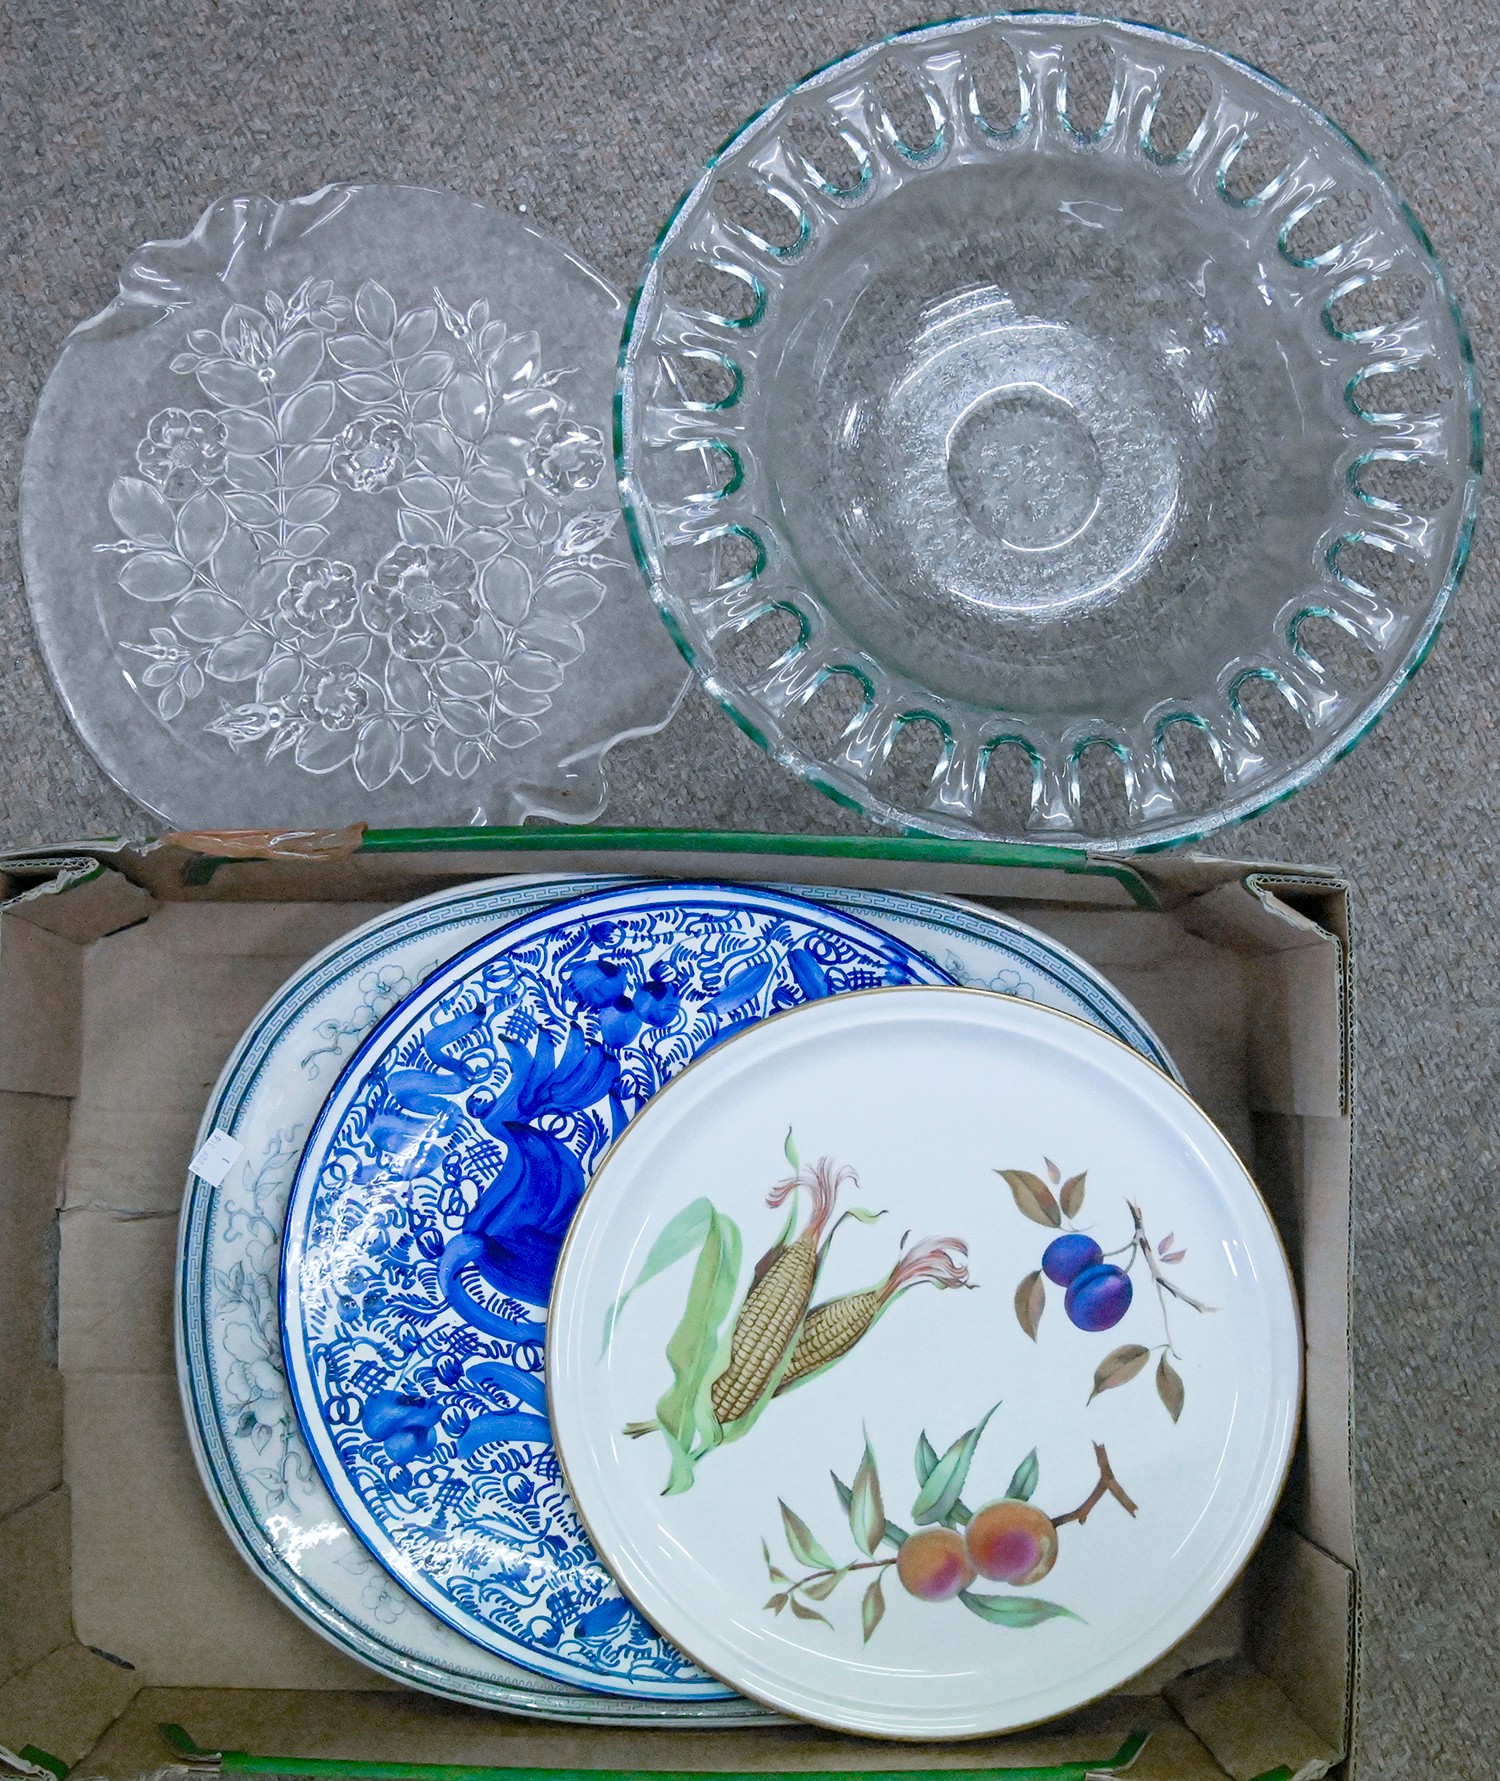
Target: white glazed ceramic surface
{"points": [[1136, 1426], [249, 1449]]}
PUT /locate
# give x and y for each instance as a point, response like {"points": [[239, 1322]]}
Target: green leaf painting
{"points": [[805, 1548], [1009, 1541], [866, 1510], [1013, 1610], [1023, 1479], [945, 1483], [872, 1608], [697, 1353]]}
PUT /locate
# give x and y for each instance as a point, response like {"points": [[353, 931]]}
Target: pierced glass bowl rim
{"points": [[848, 789]]}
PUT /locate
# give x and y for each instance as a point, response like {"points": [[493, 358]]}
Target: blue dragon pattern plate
{"points": [[430, 1207]]}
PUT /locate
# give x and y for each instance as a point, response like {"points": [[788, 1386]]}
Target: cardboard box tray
{"points": [[127, 972]]}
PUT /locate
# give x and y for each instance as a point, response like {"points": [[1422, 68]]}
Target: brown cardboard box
{"points": [[126, 974]]}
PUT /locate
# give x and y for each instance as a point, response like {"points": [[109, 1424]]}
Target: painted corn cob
{"points": [[831, 1329], [773, 1308]]}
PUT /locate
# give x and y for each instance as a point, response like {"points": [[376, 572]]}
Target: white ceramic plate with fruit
{"points": [[924, 1363]]}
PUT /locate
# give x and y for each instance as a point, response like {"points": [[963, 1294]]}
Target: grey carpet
{"points": [[120, 121]]}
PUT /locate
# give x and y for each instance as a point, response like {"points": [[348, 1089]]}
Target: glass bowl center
{"points": [[1031, 451], [1024, 468]]}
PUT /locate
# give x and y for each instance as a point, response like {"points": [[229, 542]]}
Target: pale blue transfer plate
{"points": [[429, 1210], [249, 1448]]}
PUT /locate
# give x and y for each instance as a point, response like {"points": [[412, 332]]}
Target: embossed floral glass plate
{"points": [[1051, 428], [316, 521], [249, 1448], [426, 1216], [924, 1363]]}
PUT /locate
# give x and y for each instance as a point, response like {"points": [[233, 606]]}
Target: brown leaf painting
{"points": [[1031, 1301], [1071, 1195], [1033, 1197], [1169, 1387], [1119, 1367]]}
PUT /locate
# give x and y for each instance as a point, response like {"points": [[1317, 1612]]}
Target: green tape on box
{"points": [[927, 849], [237, 1762]]}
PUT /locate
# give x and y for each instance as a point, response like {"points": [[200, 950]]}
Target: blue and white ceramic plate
{"points": [[430, 1207], [250, 1450], [243, 1429]]}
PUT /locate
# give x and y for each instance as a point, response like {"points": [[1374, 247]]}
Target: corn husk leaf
{"points": [[698, 1352], [681, 1236], [680, 1478]]}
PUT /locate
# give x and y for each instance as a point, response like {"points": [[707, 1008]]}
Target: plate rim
{"points": [[1030, 936], [113, 732], [198, 1397], [1262, 1519]]}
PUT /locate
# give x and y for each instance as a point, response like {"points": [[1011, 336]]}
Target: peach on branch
{"points": [[934, 1565], [1011, 1542]]}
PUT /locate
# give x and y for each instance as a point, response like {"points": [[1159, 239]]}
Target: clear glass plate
{"points": [[317, 523], [1051, 429]]}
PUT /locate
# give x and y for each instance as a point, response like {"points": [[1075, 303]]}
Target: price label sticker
{"points": [[215, 1157]]}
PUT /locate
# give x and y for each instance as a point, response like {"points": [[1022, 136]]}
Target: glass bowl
{"points": [[1048, 428]]}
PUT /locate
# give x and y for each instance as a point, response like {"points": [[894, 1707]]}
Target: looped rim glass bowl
{"points": [[1062, 394]]}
